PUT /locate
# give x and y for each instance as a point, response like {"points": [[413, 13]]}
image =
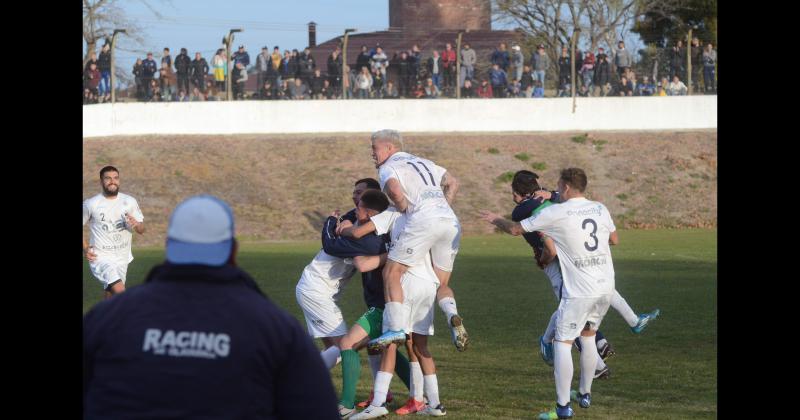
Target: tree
{"points": [[552, 22], [663, 29]]}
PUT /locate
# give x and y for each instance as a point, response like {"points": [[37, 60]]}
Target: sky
{"points": [[200, 25]]}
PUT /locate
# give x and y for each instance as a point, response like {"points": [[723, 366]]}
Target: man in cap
{"points": [[199, 339]]}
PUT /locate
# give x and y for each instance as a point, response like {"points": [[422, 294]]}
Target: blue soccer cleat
{"points": [[564, 412], [389, 337], [546, 350], [644, 320], [584, 400]]}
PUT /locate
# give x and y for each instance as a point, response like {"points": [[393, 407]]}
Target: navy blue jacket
{"points": [[200, 342], [372, 281]]}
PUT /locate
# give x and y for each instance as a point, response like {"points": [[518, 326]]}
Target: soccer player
{"points": [[114, 217], [582, 231], [419, 285], [370, 202], [322, 282], [423, 191]]}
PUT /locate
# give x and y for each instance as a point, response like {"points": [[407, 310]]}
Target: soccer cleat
{"points": [[459, 333], [362, 404], [602, 373], [584, 400], [411, 406], [546, 350], [548, 415], [644, 320], [606, 351], [346, 413], [564, 412], [371, 412], [437, 411], [389, 337]]}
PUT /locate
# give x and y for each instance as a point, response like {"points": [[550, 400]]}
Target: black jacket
{"points": [[182, 64], [199, 68], [200, 342], [104, 61]]}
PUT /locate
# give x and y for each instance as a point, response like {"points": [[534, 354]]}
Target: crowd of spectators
{"points": [[409, 73]]}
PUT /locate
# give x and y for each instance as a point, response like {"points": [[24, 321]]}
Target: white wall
{"points": [[412, 115]]}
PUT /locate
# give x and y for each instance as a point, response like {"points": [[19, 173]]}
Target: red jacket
{"points": [[485, 91], [448, 58]]}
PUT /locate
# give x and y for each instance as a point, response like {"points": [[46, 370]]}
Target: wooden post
{"points": [[112, 85], [572, 64], [689, 61], [344, 63], [458, 66], [228, 90]]}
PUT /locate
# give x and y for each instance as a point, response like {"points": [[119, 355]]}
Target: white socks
{"points": [[331, 356], [562, 356], [448, 306], [375, 364], [382, 381], [432, 390], [600, 363], [589, 358], [416, 381], [393, 315], [621, 306]]}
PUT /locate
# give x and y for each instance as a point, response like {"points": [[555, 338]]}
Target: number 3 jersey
{"points": [[420, 179], [580, 229], [109, 234]]}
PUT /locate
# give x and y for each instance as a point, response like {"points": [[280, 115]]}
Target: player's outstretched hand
{"points": [[488, 216], [90, 255], [131, 221]]}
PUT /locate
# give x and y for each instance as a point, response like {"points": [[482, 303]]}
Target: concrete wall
{"points": [[412, 115]]}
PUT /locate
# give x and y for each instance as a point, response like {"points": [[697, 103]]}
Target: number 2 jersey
{"points": [[109, 234], [420, 179], [580, 229]]}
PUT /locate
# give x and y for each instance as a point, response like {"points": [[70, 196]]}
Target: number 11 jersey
{"points": [[420, 179]]}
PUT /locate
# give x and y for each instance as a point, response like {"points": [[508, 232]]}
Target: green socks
{"points": [[351, 370]]}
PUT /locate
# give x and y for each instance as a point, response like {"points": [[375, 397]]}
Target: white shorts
{"points": [[108, 270], [553, 272], [439, 236], [419, 296], [574, 313], [323, 316]]}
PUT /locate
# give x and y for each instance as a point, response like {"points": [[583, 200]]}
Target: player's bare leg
{"points": [[393, 312], [447, 302], [115, 288]]}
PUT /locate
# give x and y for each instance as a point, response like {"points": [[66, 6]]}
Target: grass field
{"points": [[668, 372]]}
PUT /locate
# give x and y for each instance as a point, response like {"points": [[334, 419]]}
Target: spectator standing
{"points": [[276, 66], [468, 61], [92, 59], [540, 62], [166, 61], [564, 71], [377, 84], [602, 74], [262, 66], [137, 79], [104, 66], [709, 68], [335, 71], [379, 61], [697, 63], [363, 83], [199, 71], [289, 66], [404, 75], [526, 82], [149, 69], [518, 60], [241, 56], [415, 61], [92, 77], [449, 63], [622, 59], [239, 78], [500, 57], [182, 66], [165, 84], [435, 68], [499, 81], [306, 65], [677, 59], [316, 84], [587, 70], [220, 68], [363, 58]]}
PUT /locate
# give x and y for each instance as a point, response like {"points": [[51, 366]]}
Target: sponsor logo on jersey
{"points": [[204, 345], [590, 261], [431, 194], [586, 212]]}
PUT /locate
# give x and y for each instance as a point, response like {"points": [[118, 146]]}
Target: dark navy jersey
{"points": [[524, 210], [200, 342], [371, 244], [351, 216]]}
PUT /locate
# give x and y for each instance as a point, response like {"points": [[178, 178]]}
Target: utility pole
{"points": [[572, 64], [113, 41], [689, 60], [458, 66], [345, 74]]}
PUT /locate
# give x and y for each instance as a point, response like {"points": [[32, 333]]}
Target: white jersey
{"points": [[109, 232], [580, 229], [326, 274], [393, 221], [420, 179]]}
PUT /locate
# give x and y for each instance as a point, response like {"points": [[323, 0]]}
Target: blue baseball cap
{"points": [[201, 231]]}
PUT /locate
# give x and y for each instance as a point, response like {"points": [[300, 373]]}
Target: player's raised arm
{"points": [[505, 225], [449, 185], [135, 225], [394, 191], [366, 263], [358, 231]]}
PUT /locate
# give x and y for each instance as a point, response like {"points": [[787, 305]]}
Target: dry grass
{"points": [[282, 187]]}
